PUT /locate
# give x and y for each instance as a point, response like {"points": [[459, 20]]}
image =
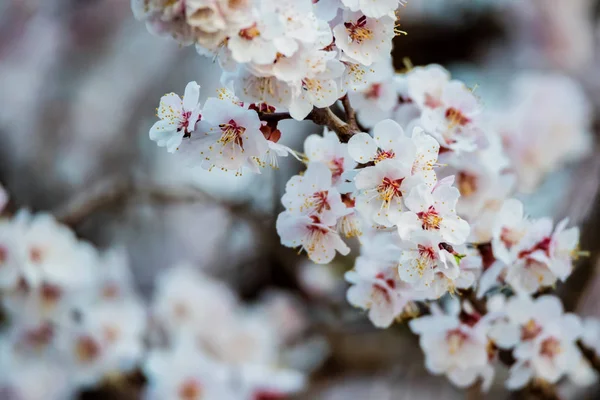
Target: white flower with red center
{"points": [[364, 40], [453, 123], [178, 118], [433, 210], [509, 228], [469, 270], [228, 137], [255, 43], [317, 90], [546, 347], [423, 257], [312, 194], [455, 348], [328, 149], [376, 288], [388, 142], [425, 85], [109, 338], [374, 8], [376, 98], [543, 256], [319, 240], [381, 189], [521, 318], [52, 254]]}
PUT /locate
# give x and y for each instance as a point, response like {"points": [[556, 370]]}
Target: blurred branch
{"points": [[539, 390], [590, 355], [111, 192]]}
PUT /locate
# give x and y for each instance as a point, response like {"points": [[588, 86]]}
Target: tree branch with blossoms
{"points": [[429, 188], [416, 168]]}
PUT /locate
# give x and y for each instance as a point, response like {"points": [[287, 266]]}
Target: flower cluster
{"points": [[418, 171], [465, 344], [65, 304], [290, 56], [207, 345]]}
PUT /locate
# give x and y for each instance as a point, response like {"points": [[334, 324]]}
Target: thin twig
{"points": [[274, 117], [350, 113], [111, 192]]}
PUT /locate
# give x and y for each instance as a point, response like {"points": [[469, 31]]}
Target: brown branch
{"points": [[112, 192], [540, 390], [274, 117], [350, 113], [590, 355], [326, 117]]}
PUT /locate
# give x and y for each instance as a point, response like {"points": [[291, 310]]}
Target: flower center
{"points": [[190, 390], [550, 348], [456, 117], [467, 183], [374, 91], [312, 84], [87, 349], [336, 166], [430, 219], [358, 31], [389, 188], [455, 339], [318, 202], [50, 294], [530, 330], [249, 33], [231, 133], [384, 155]]}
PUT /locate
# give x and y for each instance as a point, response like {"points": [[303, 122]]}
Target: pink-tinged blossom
{"points": [[311, 194], [456, 348], [227, 137], [381, 189], [423, 257], [328, 149], [178, 118], [542, 335], [319, 240], [434, 211], [454, 121]]}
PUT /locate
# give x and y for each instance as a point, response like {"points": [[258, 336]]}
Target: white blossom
{"points": [[178, 117]]}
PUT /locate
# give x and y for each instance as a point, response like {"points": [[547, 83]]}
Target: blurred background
{"points": [[79, 83]]}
